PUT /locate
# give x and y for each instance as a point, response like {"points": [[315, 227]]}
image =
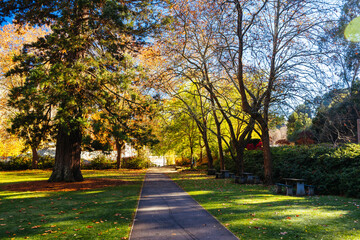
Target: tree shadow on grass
{"points": [[100, 213], [272, 215], [254, 212]]}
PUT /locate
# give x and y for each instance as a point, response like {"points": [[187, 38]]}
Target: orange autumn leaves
{"points": [[12, 39]]}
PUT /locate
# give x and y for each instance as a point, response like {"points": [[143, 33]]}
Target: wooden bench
{"points": [[239, 179], [311, 189], [300, 185], [289, 189], [225, 173]]}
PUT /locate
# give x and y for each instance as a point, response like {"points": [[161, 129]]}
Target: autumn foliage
{"points": [[12, 39]]}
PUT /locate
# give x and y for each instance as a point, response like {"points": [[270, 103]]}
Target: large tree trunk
{"points": [[119, 147], [67, 157], [35, 158], [267, 157]]}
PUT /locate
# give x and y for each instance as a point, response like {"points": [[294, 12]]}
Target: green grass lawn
{"points": [[255, 212], [104, 213]]}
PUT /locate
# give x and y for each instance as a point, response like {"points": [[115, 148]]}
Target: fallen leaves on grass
{"points": [[45, 186]]}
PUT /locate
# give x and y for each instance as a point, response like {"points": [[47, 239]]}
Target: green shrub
{"points": [[229, 164], [46, 162], [17, 163], [332, 170], [136, 163], [25, 162], [99, 163]]}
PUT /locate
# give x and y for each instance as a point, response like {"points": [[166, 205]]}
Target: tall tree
{"points": [[166, 67], [268, 46], [78, 65], [179, 130], [191, 49]]}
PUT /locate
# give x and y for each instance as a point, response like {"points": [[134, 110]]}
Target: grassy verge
{"points": [[105, 213], [255, 212]]}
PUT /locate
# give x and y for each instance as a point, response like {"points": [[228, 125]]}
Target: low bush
{"points": [[182, 161], [136, 163], [16, 163], [24, 162], [46, 162], [99, 163]]}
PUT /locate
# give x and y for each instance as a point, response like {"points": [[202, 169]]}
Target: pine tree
{"points": [[79, 66]]}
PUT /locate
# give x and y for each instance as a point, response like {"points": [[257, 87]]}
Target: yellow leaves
{"points": [[10, 145], [12, 39]]}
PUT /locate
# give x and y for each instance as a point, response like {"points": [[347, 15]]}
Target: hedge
{"points": [[101, 162], [25, 161], [334, 171]]}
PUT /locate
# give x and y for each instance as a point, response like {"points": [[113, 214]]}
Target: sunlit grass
{"points": [[105, 213], [255, 212], [37, 175], [22, 176]]}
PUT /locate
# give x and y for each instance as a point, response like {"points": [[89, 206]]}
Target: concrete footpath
{"points": [[165, 211]]}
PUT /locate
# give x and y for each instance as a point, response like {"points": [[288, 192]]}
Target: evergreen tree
{"points": [[79, 66]]}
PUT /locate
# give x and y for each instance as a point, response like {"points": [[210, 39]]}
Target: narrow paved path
{"points": [[167, 212]]}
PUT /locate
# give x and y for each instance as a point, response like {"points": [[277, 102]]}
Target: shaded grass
{"points": [[255, 212], [104, 213]]}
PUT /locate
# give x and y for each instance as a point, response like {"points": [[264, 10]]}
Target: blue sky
{"points": [[7, 21]]}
